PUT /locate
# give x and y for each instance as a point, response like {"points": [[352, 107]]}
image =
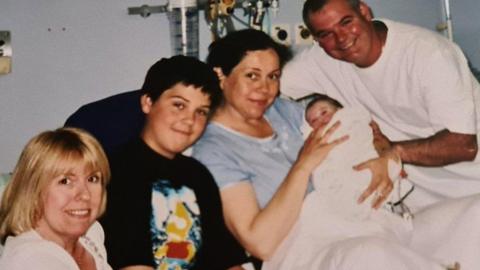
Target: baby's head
{"points": [[320, 110]]}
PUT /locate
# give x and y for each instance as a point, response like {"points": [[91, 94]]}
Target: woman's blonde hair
{"points": [[46, 156]]}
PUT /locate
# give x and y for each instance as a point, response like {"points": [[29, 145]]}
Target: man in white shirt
{"points": [[416, 84]]}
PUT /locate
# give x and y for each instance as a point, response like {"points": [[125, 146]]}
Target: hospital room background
{"points": [[58, 55]]}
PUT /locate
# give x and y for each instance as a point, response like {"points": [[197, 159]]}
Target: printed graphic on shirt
{"points": [[175, 226]]}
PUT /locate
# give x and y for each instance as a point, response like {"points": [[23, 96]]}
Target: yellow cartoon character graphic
{"points": [[175, 226]]}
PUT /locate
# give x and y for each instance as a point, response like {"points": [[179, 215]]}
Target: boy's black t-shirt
{"points": [[163, 212]]}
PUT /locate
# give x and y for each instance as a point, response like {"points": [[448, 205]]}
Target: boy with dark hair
{"points": [[164, 209]]}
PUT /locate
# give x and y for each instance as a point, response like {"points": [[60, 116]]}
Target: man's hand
{"points": [[382, 144], [380, 141], [381, 184]]}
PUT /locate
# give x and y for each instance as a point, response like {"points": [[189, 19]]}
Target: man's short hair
{"points": [[311, 6]]}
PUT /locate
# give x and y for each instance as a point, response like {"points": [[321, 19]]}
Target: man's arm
{"points": [[440, 149]]}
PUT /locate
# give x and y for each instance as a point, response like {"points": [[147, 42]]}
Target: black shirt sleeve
{"points": [[220, 249]]}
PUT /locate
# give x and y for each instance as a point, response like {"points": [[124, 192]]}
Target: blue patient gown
{"points": [[232, 157]]}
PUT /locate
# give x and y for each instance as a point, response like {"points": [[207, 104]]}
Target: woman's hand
{"points": [[316, 147], [261, 231]]}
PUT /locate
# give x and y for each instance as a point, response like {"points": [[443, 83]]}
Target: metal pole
{"points": [[448, 18]]}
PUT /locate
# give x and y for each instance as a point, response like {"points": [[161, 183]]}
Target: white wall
{"points": [[67, 53], [93, 49], [466, 27], [423, 13]]}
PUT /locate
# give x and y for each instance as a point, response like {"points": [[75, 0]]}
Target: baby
{"points": [[320, 110], [332, 223], [355, 121]]}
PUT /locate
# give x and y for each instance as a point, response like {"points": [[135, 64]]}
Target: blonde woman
{"points": [[49, 208]]}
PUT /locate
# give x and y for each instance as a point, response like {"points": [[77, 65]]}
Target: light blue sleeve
{"points": [[289, 111], [264, 162], [214, 151]]}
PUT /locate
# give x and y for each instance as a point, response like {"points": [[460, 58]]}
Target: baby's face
{"points": [[320, 113]]}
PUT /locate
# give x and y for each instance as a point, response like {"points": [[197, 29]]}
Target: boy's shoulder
{"points": [[135, 160], [127, 152], [194, 169]]}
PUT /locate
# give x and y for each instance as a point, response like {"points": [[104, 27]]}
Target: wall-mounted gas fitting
{"points": [[302, 35], [281, 33]]}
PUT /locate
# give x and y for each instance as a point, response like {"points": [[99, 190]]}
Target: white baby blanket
{"points": [[335, 232]]}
